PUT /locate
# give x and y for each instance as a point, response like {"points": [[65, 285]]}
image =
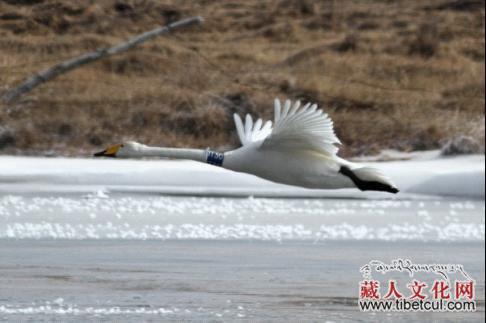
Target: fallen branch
{"points": [[77, 62]]}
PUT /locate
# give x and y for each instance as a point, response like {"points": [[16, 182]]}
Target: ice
{"points": [[425, 173]]}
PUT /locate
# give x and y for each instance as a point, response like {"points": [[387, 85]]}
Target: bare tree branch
{"points": [[77, 62]]}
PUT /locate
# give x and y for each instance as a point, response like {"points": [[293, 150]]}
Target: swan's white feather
{"points": [[240, 130], [251, 132], [295, 128]]}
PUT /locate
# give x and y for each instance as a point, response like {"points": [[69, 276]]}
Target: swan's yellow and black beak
{"points": [[108, 152]]}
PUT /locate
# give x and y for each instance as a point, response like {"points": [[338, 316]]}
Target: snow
{"points": [[425, 173], [431, 174]]}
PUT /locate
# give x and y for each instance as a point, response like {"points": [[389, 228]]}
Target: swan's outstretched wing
{"points": [[252, 132], [301, 128]]}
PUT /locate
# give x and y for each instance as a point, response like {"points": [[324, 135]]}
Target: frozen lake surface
{"points": [[84, 240]]}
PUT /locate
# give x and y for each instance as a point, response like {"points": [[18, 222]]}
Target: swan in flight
{"points": [[298, 150]]}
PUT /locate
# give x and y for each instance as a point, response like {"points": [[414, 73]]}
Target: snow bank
{"points": [[425, 173], [429, 173]]}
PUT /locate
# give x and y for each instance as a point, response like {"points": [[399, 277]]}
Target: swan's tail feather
{"points": [[369, 179]]}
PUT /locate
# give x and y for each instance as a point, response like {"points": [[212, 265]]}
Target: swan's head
{"points": [[126, 149]]}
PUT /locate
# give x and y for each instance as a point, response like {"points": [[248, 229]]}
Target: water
{"points": [[105, 257]]}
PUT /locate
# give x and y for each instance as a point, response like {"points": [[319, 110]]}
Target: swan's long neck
{"points": [[177, 153], [200, 155]]}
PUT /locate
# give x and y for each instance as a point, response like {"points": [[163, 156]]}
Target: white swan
{"points": [[299, 150]]}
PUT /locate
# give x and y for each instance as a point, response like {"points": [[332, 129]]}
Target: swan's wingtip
{"points": [[99, 154]]}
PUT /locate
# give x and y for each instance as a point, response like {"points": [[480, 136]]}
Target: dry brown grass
{"points": [[392, 74]]}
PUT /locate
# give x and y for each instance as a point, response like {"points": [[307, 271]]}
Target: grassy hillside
{"points": [[404, 74]]}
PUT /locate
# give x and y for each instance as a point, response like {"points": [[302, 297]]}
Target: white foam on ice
{"points": [[59, 307], [425, 232], [142, 217], [74, 310]]}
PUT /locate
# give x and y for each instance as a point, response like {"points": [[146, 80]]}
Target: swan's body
{"points": [[299, 150], [301, 168]]}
